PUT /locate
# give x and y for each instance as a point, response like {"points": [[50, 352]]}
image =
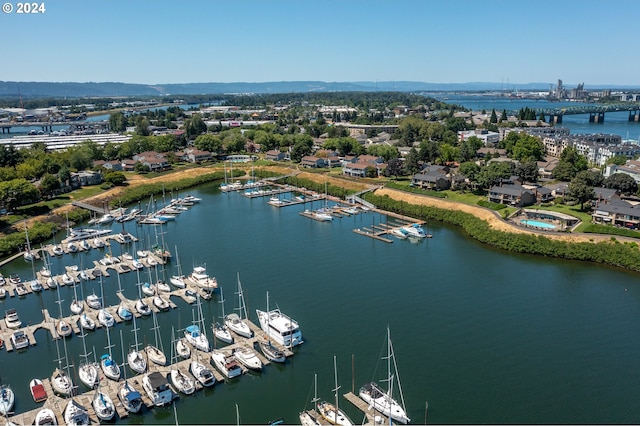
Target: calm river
{"points": [[480, 335]]}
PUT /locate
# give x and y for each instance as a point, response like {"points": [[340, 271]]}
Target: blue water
{"points": [[616, 123], [481, 335], [537, 223]]}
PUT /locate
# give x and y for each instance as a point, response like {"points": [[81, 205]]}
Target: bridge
{"points": [[596, 112], [47, 126]]}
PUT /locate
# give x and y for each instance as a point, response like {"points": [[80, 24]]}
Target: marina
{"points": [[468, 320]]}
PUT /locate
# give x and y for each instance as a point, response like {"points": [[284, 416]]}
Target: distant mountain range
{"points": [[106, 89]]}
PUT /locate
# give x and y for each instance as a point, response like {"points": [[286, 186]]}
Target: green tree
{"points": [[300, 149], [494, 116], [469, 169], [620, 160], [412, 161], [395, 167], [116, 178], [580, 192], [571, 162], [589, 178], [194, 126], [622, 182], [48, 184], [528, 170], [117, 122], [208, 142]]}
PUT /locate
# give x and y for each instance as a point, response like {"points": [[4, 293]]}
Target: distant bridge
{"points": [[596, 112]]}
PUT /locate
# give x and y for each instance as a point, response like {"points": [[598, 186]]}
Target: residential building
{"points": [[513, 195]]}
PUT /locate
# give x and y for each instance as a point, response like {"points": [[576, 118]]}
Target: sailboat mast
{"points": [[335, 390]]}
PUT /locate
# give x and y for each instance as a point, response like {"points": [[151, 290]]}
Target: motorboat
{"points": [[38, 391], [3, 293], [235, 324], [86, 322], [182, 349], [105, 318], [182, 382], [61, 382], [142, 307], [103, 406], [93, 301], [109, 367], [84, 275], [400, 233], [45, 416], [271, 352], [7, 399], [19, 340], [414, 230], [196, 338], [84, 245], [63, 328], [156, 355], [280, 327], [129, 397], [157, 388], [75, 414], [202, 373], [72, 248], [124, 312], [77, 307], [11, 319], [137, 264], [191, 199], [21, 290], [226, 364], [105, 219], [14, 279], [202, 279], [248, 358], [98, 242]]}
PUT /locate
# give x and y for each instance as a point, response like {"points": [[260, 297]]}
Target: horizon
{"points": [[436, 42]]}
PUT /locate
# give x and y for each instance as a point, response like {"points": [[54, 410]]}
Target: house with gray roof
{"points": [[432, 180], [512, 195], [617, 212]]}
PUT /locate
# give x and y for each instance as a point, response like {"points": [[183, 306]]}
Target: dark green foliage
{"points": [[613, 253]]}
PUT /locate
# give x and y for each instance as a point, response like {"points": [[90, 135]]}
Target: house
{"points": [[114, 165], [197, 155], [355, 169], [275, 155], [617, 212], [85, 178], [334, 161], [432, 180], [129, 165], [513, 195], [312, 162]]}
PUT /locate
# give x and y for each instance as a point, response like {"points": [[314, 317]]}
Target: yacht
{"points": [[182, 382], [182, 349], [61, 382], [88, 374], [280, 327], [19, 340], [105, 219], [156, 355], [77, 307], [11, 318], [148, 289], [63, 328], [202, 279], [160, 303], [35, 286], [57, 250], [45, 416], [157, 388], [94, 301], [414, 230], [76, 234], [248, 358], [202, 373], [136, 361], [137, 264], [124, 312], [67, 280], [142, 307], [235, 324], [221, 333], [271, 352], [226, 364], [178, 281]]}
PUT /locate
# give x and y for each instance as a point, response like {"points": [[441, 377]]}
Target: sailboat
{"points": [[75, 413], [103, 405], [201, 372], [104, 317], [76, 304], [141, 306], [127, 394], [268, 349], [220, 330], [195, 333], [310, 417], [110, 368], [181, 381], [381, 400], [88, 371], [136, 360], [7, 399], [155, 353], [28, 254], [61, 381], [331, 412], [178, 279], [235, 321]]}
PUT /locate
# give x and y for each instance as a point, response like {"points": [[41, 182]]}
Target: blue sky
{"points": [[452, 41]]}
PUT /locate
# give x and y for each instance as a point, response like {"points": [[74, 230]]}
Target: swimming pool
{"points": [[537, 224]]}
